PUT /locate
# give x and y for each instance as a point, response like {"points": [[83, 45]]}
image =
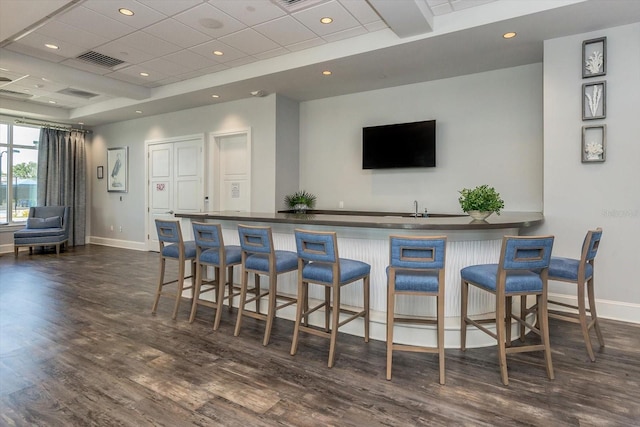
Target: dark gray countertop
{"points": [[389, 220]]}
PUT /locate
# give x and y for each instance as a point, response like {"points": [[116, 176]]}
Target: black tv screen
{"points": [[402, 145]]}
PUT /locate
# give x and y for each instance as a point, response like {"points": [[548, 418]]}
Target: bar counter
{"points": [[365, 236]]}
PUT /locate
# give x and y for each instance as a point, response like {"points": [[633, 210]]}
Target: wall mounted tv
{"points": [[401, 145]]}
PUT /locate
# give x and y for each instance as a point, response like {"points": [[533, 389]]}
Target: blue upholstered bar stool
{"points": [[416, 268], [260, 258], [580, 272], [173, 247], [319, 263], [212, 252], [522, 270]]}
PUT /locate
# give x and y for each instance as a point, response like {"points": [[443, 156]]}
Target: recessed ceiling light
{"points": [[51, 46], [218, 53], [215, 96], [509, 35], [326, 20], [52, 102], [326, 73], [125, 12], [139, 111], [144, 74]]}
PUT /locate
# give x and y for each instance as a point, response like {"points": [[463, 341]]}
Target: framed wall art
{"points": [[594, 100], [593, 143], [594, 57], [117, 169]]}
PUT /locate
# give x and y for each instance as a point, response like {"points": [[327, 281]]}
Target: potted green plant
{"points": [[481, 201], [300, 201]]}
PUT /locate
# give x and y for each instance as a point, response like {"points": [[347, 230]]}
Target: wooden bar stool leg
{"points": [[507, 320], [334, 326], [197, 286], [300, 310], [243, 299], [230, 284], [391, 303], [366, 284], [256, 289], [582, 316], [464, 287], [273, 292], [594, 313], [160, 283], [219, 298], [500, 332], [180, 288], [440, 303], [544, 333], [523, 316], [327, 311]]}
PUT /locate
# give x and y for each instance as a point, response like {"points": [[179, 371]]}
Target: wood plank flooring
{"points": [[79, 347]]}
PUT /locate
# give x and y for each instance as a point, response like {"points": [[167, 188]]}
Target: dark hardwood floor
{"points": [[79, 347]]}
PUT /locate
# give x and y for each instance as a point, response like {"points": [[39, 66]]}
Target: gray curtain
{"points": [[61, 176]]}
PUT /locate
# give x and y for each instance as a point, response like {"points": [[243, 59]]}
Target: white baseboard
{"points": [[614, 310], [124, 244]]}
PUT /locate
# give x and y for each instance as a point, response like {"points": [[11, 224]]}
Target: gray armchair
{"points": [[46, 226]]}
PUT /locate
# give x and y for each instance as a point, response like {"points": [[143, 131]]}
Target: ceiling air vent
{"points": [[295, 5], [99, 59], [12, 94], [77, 92]]}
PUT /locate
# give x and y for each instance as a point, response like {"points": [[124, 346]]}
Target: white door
{"points": [[175, 182], [232, 175]]}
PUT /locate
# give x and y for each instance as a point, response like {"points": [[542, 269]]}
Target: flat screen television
{"points": [[401, 145]]}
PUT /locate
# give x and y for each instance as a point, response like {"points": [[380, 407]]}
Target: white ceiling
{"points": [[275, 46]]}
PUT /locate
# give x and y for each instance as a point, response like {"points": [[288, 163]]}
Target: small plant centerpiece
{"points": [[481, 201], [300, 201]]}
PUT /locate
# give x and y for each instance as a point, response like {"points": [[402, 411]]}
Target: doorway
{"points": [[175, 184]]}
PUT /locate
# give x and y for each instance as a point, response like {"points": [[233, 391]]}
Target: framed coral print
{"points": [[593, 143], [594, 57], [594, 100], [117, 169]]}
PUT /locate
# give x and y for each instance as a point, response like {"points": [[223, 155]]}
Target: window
{"points": [[18, 171]]}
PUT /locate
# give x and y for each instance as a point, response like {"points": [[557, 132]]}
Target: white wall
{"points": [[489, 131], [579, 196], [287, 148], [107, 209]]}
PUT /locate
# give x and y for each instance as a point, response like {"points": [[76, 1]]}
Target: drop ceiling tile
{"points": [[342, 20], [133, 72], [307, 44], [86, 66], [203, 72], [124, 52], [95, 23], [441, 9], [249, 41], [376, 26], [148, 43], [361, 10], [206, 50], [162, 66], [249, 12], [31, 51], [242, 61], [209, 20], [285, 31], [272, 53], [341, 35], [38, 41], [191, 60], [71, 34], [177, 33], [170, 7], [143, 16]]}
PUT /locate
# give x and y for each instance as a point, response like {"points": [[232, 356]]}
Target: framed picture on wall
{"points": [[594, 100], [593, 143], [594, 57], [117, 169]]}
